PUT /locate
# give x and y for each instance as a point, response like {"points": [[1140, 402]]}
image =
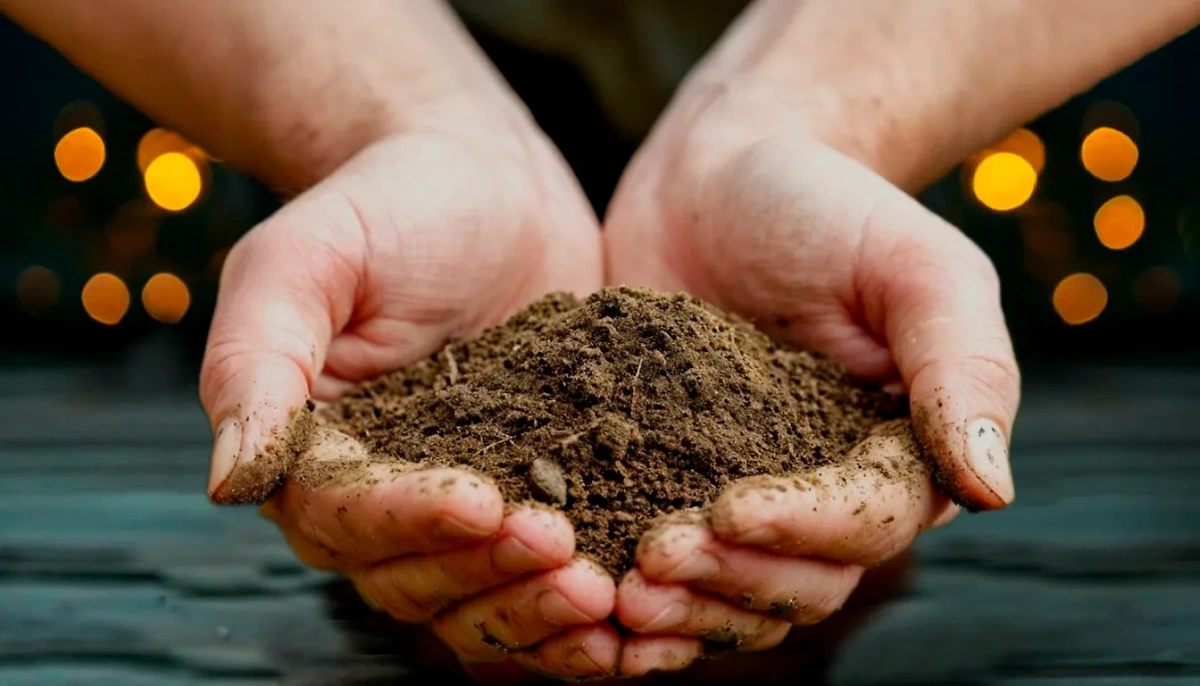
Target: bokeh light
{"points": [[79, 154], [1108, 154], [157, 142], [105, 298], [37, 289], [1004, 181], [1049, 241], [133, 229], [1025, 144], [1119, 222], [166, 298], [1157, 289], [1079, 298], [173, 181]]}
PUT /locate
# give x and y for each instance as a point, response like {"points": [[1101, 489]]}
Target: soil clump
{"points": [[617, 409]]}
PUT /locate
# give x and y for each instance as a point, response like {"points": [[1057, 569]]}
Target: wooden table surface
{"points": [[114, 569]]}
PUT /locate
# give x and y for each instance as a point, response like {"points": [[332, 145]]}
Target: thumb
{"points": [[286, 287], [936, 298]]}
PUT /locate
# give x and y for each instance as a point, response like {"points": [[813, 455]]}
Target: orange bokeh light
{"points": [[105, 298], [166, 298], [1108, 154], [1119, 222], [79, 154], [37, 289], [1080, 298]]}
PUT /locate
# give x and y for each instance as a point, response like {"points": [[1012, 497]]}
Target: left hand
{"points": [[774, 224]]}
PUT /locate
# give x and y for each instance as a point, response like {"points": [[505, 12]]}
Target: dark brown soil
{"points": [[629, 405]]}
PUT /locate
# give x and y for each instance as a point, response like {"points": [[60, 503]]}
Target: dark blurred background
{"points": [[115, 569], [113, 231]]}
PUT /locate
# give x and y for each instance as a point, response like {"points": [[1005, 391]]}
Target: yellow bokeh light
{"points": [[1027, 145], [105, 298], [1119, 222], [1108, 154], [79, 154], [173, 181], [1080, 298], [1004, 181], [166, 298], [37, 289]]}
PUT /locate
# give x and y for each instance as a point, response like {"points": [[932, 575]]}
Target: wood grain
{"points": [[114, 569]]}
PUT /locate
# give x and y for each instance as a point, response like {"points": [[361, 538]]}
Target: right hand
{"points": [[420, 237]]}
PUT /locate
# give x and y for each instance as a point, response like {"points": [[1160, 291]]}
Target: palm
{"points": [[790, 234], [415, 240], [820, 252]]}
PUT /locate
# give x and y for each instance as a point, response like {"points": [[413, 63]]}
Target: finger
{"points": [[800, 590], [645, 654], [861, 511], [286, 287], [367, 512], [523, 613], [307, 550], [582, 652], [936, 297], [651, 608], [417, 587]]}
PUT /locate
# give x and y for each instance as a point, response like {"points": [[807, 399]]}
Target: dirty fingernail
{"points": [[987, 454], [226, 444]]}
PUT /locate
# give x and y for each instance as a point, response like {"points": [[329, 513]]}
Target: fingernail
{"points": [[987, 454], [769, 635], [226, 445], [511, 555], [582, 662], [556, 609], [672, 616], [448, 527], [697, 566]]}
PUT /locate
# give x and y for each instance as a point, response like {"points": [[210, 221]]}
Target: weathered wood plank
{"points": [[115, 569]]}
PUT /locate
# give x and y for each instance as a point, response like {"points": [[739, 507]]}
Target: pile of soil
{"points": [[626, 406]]}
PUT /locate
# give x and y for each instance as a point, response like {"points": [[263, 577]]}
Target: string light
{"points": [[157, 142], [1027, 145], [173, 181], [37, 289], [166, 298], [1079, 298], [79, 154], [1119, 222], [105, 298], [1004, 181], [1108, 154], [1157, 289]]}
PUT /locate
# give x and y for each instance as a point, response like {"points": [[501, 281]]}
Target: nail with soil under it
{"points": [[987, 454], [226, 445]]}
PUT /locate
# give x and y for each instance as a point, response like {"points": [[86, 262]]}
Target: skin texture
{"points": [[429, 206]]}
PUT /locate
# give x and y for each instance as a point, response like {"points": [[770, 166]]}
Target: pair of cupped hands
{"points": [[439, 231]]}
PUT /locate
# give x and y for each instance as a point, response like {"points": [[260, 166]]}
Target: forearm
{"points": [[285, 90], [911, 87]]}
